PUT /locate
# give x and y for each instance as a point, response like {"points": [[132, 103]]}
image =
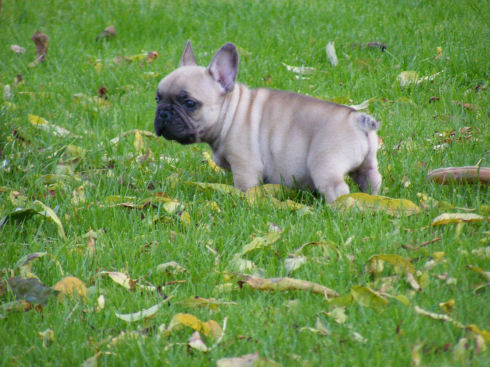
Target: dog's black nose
{"points": [[165, 114]]}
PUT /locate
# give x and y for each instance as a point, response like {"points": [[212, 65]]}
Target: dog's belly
{"points": [[289, 171]]}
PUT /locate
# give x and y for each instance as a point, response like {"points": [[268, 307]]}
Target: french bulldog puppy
{"points": [[264, 135]]}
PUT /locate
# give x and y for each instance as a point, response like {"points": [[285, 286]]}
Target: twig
{"points": [[412, 247]]}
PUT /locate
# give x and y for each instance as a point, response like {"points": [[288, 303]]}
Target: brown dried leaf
{"points": [[41, 41], [108, 32]]}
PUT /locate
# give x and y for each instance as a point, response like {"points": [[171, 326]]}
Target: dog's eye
{"points": [[189, 104], [157, 99]]}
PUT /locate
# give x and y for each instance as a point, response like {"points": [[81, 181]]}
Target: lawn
{"points": [[132, 250]]}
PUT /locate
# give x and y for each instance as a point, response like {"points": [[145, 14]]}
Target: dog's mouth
{"points": [[170, 124]]}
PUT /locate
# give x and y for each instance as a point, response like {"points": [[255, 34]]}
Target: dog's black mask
{"points": [[173, 123]]}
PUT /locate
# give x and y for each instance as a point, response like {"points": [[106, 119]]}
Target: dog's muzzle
{"points": [[163, 118]]}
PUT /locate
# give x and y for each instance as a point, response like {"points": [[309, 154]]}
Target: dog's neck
{"points": [[226, 116]]}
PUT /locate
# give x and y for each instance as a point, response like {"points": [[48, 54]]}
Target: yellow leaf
{"points": [[286, 284], [457, 218], [483, 273], [185, 218], [71, 286], [367, 297], [50, 214], [120, 278], [447, 307], [43, 124], [145, 133], [260, 242], [338, 314], [47, 337], [363, 201], [267, 190], [399, 262], [475, 329], [139, 143], [209, 328], [211, 162]]}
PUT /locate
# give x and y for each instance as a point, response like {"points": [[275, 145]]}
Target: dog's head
{"points": [[189, 99]]}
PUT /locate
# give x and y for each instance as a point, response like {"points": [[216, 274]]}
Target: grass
{"points": [[417, 136]]}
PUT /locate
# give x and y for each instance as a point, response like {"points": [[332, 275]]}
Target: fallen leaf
{"points": [[406, 78], [121, 279], [211, 163], [293, 263], [41, 41], [196, 342], [478, 270], [300, 69], [319, 328], [31, 290], [47, 337], [331, 55], [457, 218], [143, 314], [19, 214], [447, 307], [209, 328], [399, 262], [260, 242], [108, 32], [460, 175], [147, 134], [242, 265], [51, 215], [100, 303], [322, 244], [170, 268], [18, 49], [248, 360], [363, 105], [71, 286], [19, 305], [43, 124], [367, 297], [338, 315], [366, 202], [286, 284], [438, 316], [24, 264], [210, 303]]}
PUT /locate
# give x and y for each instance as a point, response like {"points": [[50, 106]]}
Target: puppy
{"points": [[263, 135]]}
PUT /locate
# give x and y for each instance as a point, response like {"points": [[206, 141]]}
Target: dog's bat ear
{"points": [[224, 66], [187, 58]]}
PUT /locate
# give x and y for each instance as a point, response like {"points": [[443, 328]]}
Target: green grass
{"points": [[268, 34]]}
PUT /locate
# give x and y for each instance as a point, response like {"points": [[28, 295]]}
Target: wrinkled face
{"points": [[188, 102]]}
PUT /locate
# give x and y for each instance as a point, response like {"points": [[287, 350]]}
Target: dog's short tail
{"points": [[367, 123]]}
